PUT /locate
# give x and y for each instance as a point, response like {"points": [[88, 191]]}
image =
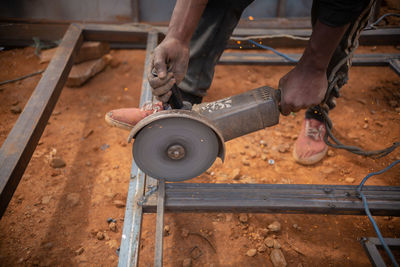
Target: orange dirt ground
{"points": [[56, 214]]}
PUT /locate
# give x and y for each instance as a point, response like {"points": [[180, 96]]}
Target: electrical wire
{"points": [[372, 25], [273, 50], [368, 212]]}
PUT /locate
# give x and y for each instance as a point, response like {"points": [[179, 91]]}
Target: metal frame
{"points": [[20, 144], [371, 245]]}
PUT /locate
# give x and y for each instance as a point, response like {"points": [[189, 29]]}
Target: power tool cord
{"points": [[368, 212]]}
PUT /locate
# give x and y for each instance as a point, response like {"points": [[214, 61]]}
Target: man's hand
{"points": [[306, 84], [169, 61], [301, 88]]}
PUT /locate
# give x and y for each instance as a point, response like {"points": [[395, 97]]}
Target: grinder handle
{"points": [[175, 101]]}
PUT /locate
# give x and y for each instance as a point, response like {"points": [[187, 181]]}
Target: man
{"points": [[198, 33]]}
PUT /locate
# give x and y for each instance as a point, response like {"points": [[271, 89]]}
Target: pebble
{"points": [[277, 244], [15, 109], [246, 146], [187, 262], [251, 252], [253, 154], [185, 232], [46, 200], [245, 163], [243, 218], [119, 203], [262, 248], [236, 174], [277, 258], [242, 152], [100, 236], [331, 153], [349, 180], [73, 199], [263, 232], [113, 226], [263, 143], [283, 148], [328, 170], [79, 251], [269, 242], [274, 227], [264, 157], [57, 163], [48, 245], [167, 230]]}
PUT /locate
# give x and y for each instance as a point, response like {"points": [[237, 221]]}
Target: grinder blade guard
{"points": [[177, 145]]}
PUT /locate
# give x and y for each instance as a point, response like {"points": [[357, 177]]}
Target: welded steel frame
{"points": [[371, 245], [21, 142]]}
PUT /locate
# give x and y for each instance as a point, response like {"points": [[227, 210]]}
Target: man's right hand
{"points": [[169, 61]]}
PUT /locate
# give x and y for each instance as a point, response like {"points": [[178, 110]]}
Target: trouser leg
{"points": [[341, 60], [216, 25]]}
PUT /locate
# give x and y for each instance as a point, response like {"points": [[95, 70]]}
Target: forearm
{"points": [[185, 18], [321, 46]]}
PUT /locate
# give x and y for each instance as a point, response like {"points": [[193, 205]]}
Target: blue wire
{"points": [[368, 212], [273, 50]]}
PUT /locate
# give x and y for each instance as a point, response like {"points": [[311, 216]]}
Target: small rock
{"points": [[251, 252], [16, 102], [349, 180], [79, 251], [245, 163], [365, 126], [263, 143], [46, 200], [253, 154], [185, 233], [119, 203], [242, 152], [113, 226], [277, 258], [331, 153], [277, 244], [73, 199], [283, 148], [269, 242], [48, 245], [15, 109], [264, 157], [262, 248], [246, 146], [167, 230], [100, 235], [187, 262], [274, 227], [243, 218], [236, 174], [57, 162], [328, 170], [82, 72], [263, 232]]}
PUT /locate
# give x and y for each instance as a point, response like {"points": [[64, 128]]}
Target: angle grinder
{"points": [[182, 142]]}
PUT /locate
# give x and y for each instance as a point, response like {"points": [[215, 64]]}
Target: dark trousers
{"points": [[216, 25]]}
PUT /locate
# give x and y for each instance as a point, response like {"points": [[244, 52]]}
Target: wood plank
{"points": [[18, 148]]}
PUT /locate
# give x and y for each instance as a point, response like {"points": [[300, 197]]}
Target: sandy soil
{"points": [[56, 215]]}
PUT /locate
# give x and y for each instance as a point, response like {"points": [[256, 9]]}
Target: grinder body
{"points": [[241, 114]]}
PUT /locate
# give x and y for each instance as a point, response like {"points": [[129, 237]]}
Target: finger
{"points": [[159, 64], [156, 82], [165, 88], [164, 98]]}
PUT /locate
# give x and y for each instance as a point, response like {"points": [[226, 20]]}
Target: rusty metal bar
{"points": [[158, 255], [18, 148]]}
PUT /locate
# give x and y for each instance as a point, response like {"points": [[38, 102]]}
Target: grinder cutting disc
{"points": [[175, 149]]}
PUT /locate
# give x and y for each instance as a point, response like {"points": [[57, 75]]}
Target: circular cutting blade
{"points": [[152, 143]]}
